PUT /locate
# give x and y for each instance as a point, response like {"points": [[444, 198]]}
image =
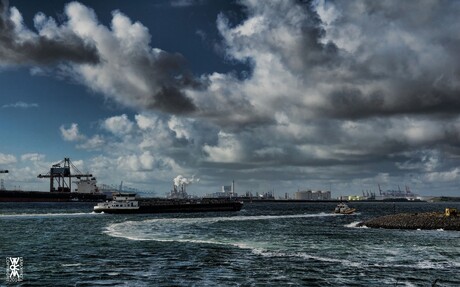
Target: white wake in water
{"points": [[41, 215], [190, 231], [424, 264], [199, 220], [175, 229], [304, 255], [355, 224], [127, 229]]}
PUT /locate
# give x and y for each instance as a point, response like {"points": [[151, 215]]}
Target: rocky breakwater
{"points": [[428, 220]]}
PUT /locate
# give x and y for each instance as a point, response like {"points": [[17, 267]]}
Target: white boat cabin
{"points": [[124, 196], [125, 201]]}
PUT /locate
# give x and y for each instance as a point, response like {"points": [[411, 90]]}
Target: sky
{"points": [[277, 95]]}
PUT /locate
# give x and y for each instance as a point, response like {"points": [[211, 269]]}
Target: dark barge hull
{"points": [[41, 196], [172, 206]]}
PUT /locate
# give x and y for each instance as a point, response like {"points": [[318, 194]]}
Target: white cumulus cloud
{"points": [[118, 125], [72, 133], [7, 159]]}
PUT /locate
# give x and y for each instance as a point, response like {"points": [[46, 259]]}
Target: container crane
{"points": [[61, 174], [2, 184]]}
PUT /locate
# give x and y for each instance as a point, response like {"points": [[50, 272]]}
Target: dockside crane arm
{"points": [[61, 173]]}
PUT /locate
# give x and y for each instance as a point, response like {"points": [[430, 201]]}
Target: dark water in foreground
{"points": [[297, 244]]}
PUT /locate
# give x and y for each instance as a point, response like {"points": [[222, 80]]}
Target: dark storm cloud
{"points": [[363, 59], [123, 65], [131, 71], [172, 100], [38, 49], [363, 91], [167, 75], [309, 47], [410, 97], [403, 58]]}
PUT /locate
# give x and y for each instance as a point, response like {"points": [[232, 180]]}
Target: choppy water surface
{"points": [[299, 244]]}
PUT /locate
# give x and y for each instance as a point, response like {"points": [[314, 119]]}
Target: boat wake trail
{"points": [[355, 224], [184, 229], [42, 215], [409, 263], [198, 220], [176, 222], [306, 256], [249, 234]]}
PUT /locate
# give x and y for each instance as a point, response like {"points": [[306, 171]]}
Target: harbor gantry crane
{"points": [[2, 184], [61, 174]]}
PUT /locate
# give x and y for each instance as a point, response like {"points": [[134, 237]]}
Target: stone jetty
{"points": [[427, 220]]}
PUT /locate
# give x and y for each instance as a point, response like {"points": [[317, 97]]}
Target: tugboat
{"points": [[120, 203], [128, 203], [342, 208]]}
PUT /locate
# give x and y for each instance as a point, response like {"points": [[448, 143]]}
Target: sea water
{"points": [[264, 244]]}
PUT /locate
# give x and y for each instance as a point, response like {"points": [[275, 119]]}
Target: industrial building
{"points": [[312, 195], [228, 191]]}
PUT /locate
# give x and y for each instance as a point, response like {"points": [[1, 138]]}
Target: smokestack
{"points": [[233, 186]]}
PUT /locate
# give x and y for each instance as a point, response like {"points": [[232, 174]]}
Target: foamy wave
{"points": [[71, 265], [111, 231], [38, 215], [127, 229], [270, 253], [114, 233], [157, 229], [425, 264], [256, 248], [355, 224], [265, 252], [226, 219]]}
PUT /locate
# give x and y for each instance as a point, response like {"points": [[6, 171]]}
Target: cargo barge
{"points": [[42, 196], [127, 203]]}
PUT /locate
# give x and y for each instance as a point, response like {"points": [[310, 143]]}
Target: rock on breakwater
{"points": [[428, 220]]}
